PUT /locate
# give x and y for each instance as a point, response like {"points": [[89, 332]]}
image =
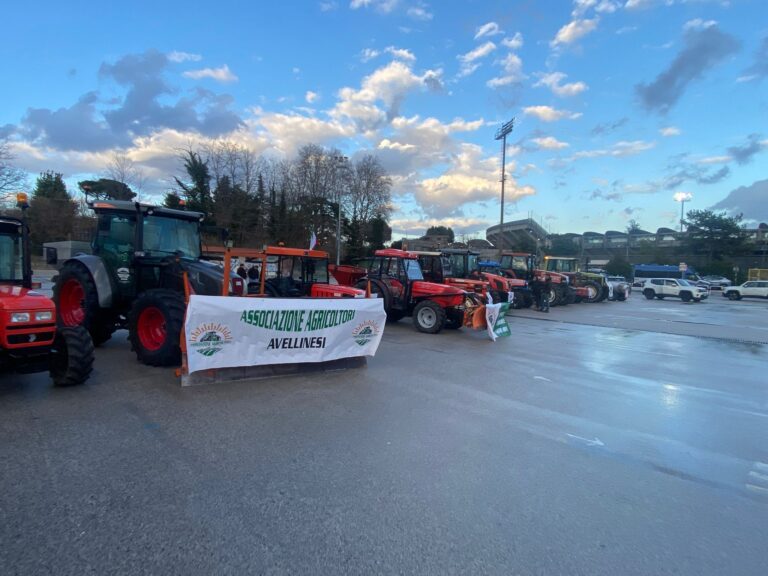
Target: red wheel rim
{"points": [[151, 328], [71, 300]]}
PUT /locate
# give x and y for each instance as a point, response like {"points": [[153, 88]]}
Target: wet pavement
{"points": [[586, 443]]}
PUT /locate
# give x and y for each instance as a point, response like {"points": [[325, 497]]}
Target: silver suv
{"points": [[672, 287]]}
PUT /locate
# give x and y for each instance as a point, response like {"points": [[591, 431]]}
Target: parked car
{"points": [[672, 287], [751, 289], [620, 288], [717, 282]]}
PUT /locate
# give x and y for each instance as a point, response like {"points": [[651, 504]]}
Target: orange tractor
{"points": [[397, 278], [522, 266], [280, 272], [29, 338]]}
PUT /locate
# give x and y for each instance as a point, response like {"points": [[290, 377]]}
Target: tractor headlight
{"points": [[44, 316], [18, 317]]}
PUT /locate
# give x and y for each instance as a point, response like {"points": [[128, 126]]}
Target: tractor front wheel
{"points": [[71, 359], [594, 292], [429, 317], [154, 327]]}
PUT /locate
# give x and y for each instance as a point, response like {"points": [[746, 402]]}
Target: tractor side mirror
{"points": [[51, 256]]}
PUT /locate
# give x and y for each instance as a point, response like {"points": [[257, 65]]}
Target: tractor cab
{"points": [[295, 273], [562, 265], [15, 267]]}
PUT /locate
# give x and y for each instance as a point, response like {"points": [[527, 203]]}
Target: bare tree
{"points": [[122, 169], [11, 178]]}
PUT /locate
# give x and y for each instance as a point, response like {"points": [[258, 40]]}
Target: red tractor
{"points": [[396, 277], [522, 266], [29, 339], [461, 268]]}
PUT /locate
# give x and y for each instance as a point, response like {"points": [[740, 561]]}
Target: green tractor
{"points": [[590, 287], [134, 278]]}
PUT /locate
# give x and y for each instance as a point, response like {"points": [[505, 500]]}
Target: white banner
{"points": [[226, 332]]}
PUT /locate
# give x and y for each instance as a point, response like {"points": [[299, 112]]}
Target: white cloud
{"points": [[328, 6], [311, 97], [368, 54], [607, 7], [177, 56], [471, 178], [514, 43], [383, 6], [669, 131], [552, 81], [469, 60], [459, 224], [699, 24], [549, 114], [550, 143], [221, 74], [715, 160], [513, 72], [573, 31], [618, 150], [400, 53], [488, 29], [388, 84], [419, 13], [387, 144], [288, 132]]}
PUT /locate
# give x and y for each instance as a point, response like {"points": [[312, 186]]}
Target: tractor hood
{"points": [[419, 289], [13, 298], [206, 277]]}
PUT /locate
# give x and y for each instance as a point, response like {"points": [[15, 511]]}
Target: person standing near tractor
{"points": [[546, 289]]}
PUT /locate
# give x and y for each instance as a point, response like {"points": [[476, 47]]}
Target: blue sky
{"points": [[619, 104]]}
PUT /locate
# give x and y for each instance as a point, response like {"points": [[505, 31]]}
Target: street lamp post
{"points": [[682, 197], [501, 134], [339, 161]]}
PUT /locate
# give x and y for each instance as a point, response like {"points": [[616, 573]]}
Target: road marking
{"points": [[761, 466], [542, 378], [594, 442]]}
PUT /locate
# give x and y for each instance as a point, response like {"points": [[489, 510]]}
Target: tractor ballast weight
{"points": [[396, 277], [134, 278], [29, 339]]}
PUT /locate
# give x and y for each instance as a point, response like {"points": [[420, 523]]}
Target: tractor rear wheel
{"points": [[71, 359], [154, 327], [77, 303], [429, 317]]}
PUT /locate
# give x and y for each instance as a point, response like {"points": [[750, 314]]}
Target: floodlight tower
{"points": [[682, 197], [501, 134]]}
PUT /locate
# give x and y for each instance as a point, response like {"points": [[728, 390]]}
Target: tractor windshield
{"points": [[517, 263], [412, 269], [163, 235], [562, 265], [458, 267], [11, 258]]}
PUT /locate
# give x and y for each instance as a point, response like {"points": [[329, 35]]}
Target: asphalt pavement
{"points": [[586, 443]]}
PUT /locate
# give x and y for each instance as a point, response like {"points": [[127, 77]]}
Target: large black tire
{"points": [[595, 292], [734, 295], [429, 317], [570, 295], [71, 360], [74, 285], [686, 296], [154, 327], [648, 293]]}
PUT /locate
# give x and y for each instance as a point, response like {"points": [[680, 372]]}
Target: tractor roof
{"points": [[283, 251], [8, 221], [392, 253], [508, 253], [560, 258], [147, 209], [459, 251], [424, 253]]}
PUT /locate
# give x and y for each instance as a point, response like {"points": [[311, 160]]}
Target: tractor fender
{"points": [[98, 271]]}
